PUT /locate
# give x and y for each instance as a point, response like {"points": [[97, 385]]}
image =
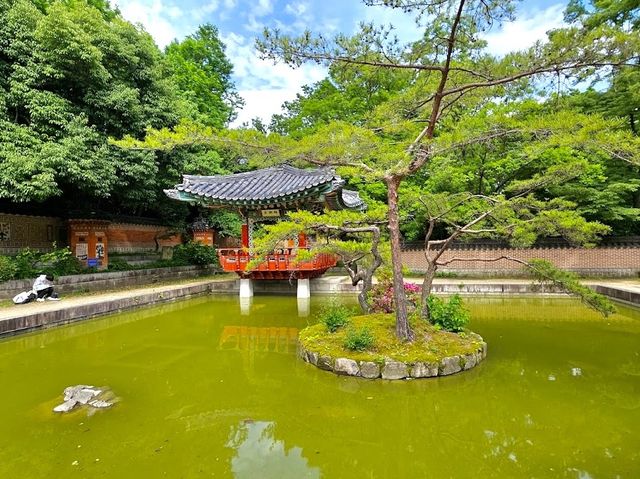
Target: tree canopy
{"points": [[72, 75]]}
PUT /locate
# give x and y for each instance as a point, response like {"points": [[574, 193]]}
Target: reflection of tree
{"points": [[259, 454]]}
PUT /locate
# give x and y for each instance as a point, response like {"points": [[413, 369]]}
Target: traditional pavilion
{"points": [[267, 195]]}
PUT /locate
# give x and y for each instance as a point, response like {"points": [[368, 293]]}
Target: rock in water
{"points": [[65, 406], [85, 394]]}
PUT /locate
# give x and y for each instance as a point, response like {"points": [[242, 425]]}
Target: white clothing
{"points": [[41, 283]]}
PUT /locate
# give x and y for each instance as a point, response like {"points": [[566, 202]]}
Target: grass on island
{"points": [[430, 344]]}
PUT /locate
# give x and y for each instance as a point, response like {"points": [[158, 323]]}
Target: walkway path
{"points": [[41, 314]]}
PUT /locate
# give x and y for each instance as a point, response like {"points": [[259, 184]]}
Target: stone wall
{"points": [[392, 369], [106, 281], [36, 232], [622, 260]]}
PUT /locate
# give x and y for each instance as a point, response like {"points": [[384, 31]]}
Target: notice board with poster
{"points": [[88, 241]]}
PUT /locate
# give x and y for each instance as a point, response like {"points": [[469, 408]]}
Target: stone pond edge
{"points": [[392, 369]]}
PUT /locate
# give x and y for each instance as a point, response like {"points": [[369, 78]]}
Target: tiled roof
{"points": [[277, 185]]}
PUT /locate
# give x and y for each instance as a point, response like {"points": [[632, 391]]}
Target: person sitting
{"points": [[43, 287]]}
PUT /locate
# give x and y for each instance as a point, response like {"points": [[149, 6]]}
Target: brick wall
{"points": [[36, 232], [39, 232], [617, 261], [137, 238]]}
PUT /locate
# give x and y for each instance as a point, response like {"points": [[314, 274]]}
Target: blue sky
{"points": [[265, 86]]}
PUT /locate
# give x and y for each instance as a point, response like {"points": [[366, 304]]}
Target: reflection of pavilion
{"points": [[252, 338], [267, 195]]}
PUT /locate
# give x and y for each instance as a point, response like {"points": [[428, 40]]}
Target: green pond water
{"points": [[206, 391]]}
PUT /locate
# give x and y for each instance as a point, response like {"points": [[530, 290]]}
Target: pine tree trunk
{"points": [[403, 329], [363, 299], [427, 284]]}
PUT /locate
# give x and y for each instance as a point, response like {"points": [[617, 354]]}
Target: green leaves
{"points": [[202, 74], [545, 273]]}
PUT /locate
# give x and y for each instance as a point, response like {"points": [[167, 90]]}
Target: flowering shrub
{"points": [[381, 296]]}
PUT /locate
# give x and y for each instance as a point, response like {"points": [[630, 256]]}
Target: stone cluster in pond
{"points": [[83, 394], [392, 369]]}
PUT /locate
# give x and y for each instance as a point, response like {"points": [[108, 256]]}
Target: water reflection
{"points": [[260, 454], [253, 338], [245, 306], [304, 307]]}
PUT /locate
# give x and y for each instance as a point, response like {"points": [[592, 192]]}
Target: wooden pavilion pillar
{"points": [[244, 234], [246, 286]]}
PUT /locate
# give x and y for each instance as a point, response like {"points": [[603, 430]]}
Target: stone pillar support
{"points": [[246, 288], [304, 290]]}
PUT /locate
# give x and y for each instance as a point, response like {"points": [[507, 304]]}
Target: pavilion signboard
{"points": [[270, 213]]}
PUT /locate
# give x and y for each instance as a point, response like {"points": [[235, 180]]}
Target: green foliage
{"points": [[226, 223], [26, 262], [8, 268], [73, 74], [70, 77], [449, 315], [349, 94], [359, 339], [546, 273], [59, 262], [118, 264], [195, 254], [202, 74], [547, 175], [334, 316]]}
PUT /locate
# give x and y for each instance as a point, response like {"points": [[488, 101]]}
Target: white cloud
{"points": [[151, 14], [253, 25], [174, 12], [263, 85], [404, 25], [201, 12], [297, 9], [262, 104], [264, 7], [525, 31]]}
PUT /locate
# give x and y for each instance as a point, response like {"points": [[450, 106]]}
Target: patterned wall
{"points": [[36, 232]]}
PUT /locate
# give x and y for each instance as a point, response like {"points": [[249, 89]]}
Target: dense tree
{"points": [[445, 72], [354, 237], [622, 97], [73, 74], [70, 78], [517, 174], [348, 94], [202, 73]]}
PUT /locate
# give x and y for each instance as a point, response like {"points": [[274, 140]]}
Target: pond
{"points": [[209, 390]]}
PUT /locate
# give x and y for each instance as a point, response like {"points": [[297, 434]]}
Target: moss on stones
{"points": [[432, 353]]}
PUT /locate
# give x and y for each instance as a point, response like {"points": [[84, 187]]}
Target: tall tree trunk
{"points": [[403, 329], [427, 284]]}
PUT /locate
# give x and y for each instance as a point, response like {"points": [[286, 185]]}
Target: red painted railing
{"points": [[284, 261]]}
